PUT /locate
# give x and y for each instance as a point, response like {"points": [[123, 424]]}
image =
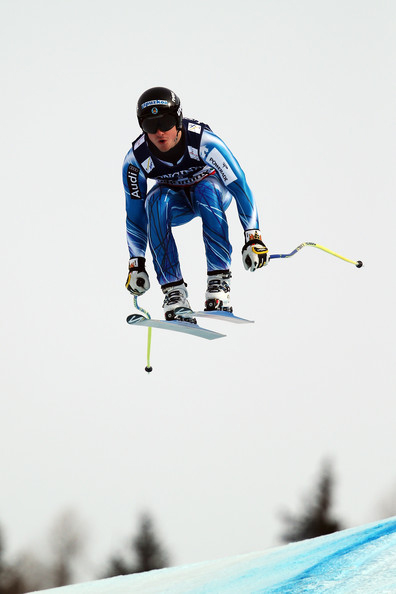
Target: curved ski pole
{"points": [[357, 263], [148, 367]]}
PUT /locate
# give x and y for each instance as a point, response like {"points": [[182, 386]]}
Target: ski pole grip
{"points": [[140, 282]]}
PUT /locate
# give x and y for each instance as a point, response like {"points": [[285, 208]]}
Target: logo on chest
{"points": [[148, 164], [193, 152], [192, 127]]}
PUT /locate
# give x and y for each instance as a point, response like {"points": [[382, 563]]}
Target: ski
{"points": [[225, 316], [175, 326]]}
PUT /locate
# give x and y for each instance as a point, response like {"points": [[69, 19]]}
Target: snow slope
{"points": [[349, 562]]}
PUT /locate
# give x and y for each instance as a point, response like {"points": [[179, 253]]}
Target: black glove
{"points": [[138, 281], [254, 252]]}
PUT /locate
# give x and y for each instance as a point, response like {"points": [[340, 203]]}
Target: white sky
{"points": [[223, 435]]}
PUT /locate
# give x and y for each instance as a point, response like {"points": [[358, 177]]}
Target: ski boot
{"points": [[176, 305], [218, 292]]}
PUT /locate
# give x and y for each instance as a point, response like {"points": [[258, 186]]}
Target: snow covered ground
{"points": [[359, 560]]}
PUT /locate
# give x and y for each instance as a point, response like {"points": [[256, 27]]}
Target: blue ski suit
{"points": [[201, 184]]}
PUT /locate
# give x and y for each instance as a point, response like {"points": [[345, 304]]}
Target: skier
{"points": [[196, 175]]}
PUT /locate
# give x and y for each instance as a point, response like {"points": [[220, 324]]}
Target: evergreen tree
{"points": [[10, 581], [67, 543], [28, 573], [147, 552], [316, 519]]}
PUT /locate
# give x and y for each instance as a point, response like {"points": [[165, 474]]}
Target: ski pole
{"points": [[148, 367], [357, 263]]}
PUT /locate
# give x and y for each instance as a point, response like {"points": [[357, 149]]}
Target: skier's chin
{"points": [[163, 145]]}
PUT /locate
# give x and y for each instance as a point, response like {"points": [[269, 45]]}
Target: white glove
{"points": [[254, 252], [138, 281]]}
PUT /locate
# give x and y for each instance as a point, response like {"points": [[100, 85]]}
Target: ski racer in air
{"points": [[195, 175]]}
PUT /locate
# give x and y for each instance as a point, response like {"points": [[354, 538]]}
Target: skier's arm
{"points": [[214, 152], [135, 188]]}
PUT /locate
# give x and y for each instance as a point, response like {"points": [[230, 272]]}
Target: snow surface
{"points": [[349, 562]]}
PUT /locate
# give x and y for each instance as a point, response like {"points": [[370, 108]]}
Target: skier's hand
{"points": [[138, 281], [254, 252]]}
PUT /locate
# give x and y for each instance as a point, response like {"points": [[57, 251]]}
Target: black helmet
{"points": [[159, 107]]}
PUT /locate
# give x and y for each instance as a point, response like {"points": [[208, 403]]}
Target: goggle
{"points": [[163, 122]]}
